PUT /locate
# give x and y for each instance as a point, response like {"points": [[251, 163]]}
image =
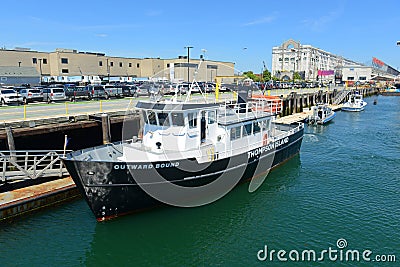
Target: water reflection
{"points": [[184, 236]]}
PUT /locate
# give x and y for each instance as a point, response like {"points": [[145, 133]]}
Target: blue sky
{"points": [[357, 30]]}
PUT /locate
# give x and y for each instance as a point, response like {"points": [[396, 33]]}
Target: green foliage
{"points": [[251, 75], [266, 75], [297, 76]]}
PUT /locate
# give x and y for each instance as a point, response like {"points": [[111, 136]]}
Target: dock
{"points": [[300, 117], [26, 200]]}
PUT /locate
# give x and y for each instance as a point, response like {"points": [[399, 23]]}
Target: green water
{"points": [[345, 184]]}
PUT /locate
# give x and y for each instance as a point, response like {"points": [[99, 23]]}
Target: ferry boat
{"points": [[354, 103], [321, 114], [186, 154]]}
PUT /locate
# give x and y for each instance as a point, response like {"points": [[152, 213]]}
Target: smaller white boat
{"points": [[355, 103], [321, 114]]}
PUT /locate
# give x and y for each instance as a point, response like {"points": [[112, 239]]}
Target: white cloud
{"points": [[262, 20]]}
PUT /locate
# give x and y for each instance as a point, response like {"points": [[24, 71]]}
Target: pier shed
{"points": [[15, 75]]}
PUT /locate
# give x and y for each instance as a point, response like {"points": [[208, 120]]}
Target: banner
{"points": [[325, 72]]}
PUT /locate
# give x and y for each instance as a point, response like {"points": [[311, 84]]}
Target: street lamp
{"points": [[188, 49], [204, 59]]}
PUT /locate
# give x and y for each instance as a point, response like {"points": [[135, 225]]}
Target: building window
{"points": [[137, 65], [64, 61], [112, 64], [34, 60], [45, 61], [100, 63], [64, 71], [168, 65], [130, 65], [120, 64]]}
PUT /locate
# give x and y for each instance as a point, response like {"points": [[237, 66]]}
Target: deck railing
{"points": [[30, 164]]}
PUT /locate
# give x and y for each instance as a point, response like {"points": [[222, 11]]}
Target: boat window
{"points": [[151, 117], [256, 127], [265, 125], [192, 118], [247, 129], [144, 116], [177, 119], [211, 117], [163, 119], [235, 133]]}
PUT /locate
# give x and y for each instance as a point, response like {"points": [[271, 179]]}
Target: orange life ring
{"points": [[265, 139]]}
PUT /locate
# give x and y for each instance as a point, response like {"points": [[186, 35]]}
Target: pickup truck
{"points": [[113, 91], [74, 92]]}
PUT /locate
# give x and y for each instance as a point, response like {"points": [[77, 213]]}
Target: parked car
{"points": [[129, 90], [77, 92], [113, 91], [9, 96], [143, 90], [31, 95], [51, 94], [96, 91]]}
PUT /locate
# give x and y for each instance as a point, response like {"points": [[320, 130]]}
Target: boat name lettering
{"points": [[261, 150], [145, 166]]}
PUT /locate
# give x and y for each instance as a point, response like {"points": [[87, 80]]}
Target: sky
{"points": [[234, 31]]}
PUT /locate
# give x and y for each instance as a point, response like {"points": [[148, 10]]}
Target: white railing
{"points": [[258, 107], [30, 164]]}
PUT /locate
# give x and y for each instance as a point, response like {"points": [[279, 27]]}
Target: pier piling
{"points": [[105, 127]]}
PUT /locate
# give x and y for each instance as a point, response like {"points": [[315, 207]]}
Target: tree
{"points": [[251, 75], [266, 75], [297, 76]]}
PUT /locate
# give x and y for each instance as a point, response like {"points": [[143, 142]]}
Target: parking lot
{"points": [[43, 108]]}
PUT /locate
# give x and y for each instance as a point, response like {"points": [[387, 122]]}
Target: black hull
{"points": [[115, 192]]}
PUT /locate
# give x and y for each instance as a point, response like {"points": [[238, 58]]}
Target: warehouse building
{"points": [[69, 65]]}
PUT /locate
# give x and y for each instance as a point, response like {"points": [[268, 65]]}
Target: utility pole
{"points": [[188, 54]]}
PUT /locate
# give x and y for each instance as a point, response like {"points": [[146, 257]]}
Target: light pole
{"points": [[188, 53], [204, 59], [40, 67], [108, 71]]}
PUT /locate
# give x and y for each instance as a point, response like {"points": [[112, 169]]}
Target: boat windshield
{"points": [[164, 119]]}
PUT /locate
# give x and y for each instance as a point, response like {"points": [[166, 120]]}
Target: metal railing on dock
{"points": [[30, 164]]}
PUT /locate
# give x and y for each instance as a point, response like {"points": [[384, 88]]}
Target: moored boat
{"points": [[186, 154], [354, 103], [321, 114]]}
